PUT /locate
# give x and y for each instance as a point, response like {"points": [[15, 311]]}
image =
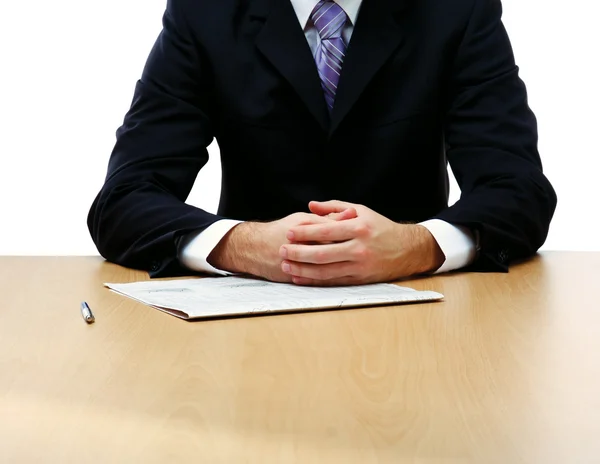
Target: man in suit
{"points": [[310, 101]]}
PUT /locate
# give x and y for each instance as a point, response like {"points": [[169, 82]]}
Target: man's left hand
{"points": [[367, 249]]}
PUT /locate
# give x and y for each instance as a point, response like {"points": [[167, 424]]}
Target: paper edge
{"points": [[437, 298]]}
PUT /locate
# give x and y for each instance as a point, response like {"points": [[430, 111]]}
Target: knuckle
{"points": [[361, 253], [362, 230], [292, 253], [321, 256]]}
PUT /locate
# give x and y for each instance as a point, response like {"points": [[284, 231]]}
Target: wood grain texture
{"points": [[506, 370]]}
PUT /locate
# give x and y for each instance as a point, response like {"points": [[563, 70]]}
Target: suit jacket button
{"points": [[155, 266]]}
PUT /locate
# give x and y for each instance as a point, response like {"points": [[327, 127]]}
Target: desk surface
{"points": [[506, 370]]}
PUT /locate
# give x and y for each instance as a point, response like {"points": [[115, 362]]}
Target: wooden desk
{"points": [[506, 370]]}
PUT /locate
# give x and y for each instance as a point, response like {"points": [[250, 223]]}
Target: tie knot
{"points": [[329, 19]]}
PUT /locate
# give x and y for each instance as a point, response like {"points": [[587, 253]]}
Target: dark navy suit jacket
{"points": [[424, 83]]}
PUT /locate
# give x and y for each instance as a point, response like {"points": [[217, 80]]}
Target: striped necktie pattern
{"points": [[329, 19]]}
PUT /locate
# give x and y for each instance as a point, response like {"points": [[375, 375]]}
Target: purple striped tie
{"points": [[329, 18]]}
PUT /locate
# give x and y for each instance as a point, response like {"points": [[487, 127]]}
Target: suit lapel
{"points": [[376, 35], [283, 43]]}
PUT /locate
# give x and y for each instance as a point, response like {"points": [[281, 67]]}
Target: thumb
{"points": [[349, 213], [328, 207]]}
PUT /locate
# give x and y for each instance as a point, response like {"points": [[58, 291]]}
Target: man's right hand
{"points": [[253, 247]]}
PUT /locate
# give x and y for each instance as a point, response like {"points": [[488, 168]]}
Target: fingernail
{"points": [[290, 235], [283, 253], [286, 268]]}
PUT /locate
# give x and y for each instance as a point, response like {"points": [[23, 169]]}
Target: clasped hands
{"points": [[339, 243]]}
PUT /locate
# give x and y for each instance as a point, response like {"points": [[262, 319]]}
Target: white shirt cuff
{"points": [[457, 244], [197, 246]]}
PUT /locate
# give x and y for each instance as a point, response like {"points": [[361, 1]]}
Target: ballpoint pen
{"points": [[86, 312]]}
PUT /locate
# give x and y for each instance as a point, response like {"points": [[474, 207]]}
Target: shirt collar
{"points": [[304, 8]]}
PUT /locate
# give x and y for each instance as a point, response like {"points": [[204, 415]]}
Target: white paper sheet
{"points": [[234, 296]]}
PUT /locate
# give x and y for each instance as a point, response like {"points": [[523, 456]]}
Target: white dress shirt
{"points": [[456, 242]]}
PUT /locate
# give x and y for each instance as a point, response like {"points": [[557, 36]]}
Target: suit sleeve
{"points": [[140, 214], [491, 145]]}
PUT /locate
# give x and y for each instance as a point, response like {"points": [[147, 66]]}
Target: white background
{"points": [[68, 69]]}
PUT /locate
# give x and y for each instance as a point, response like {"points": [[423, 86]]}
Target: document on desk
{"points": [[213, 297]]}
